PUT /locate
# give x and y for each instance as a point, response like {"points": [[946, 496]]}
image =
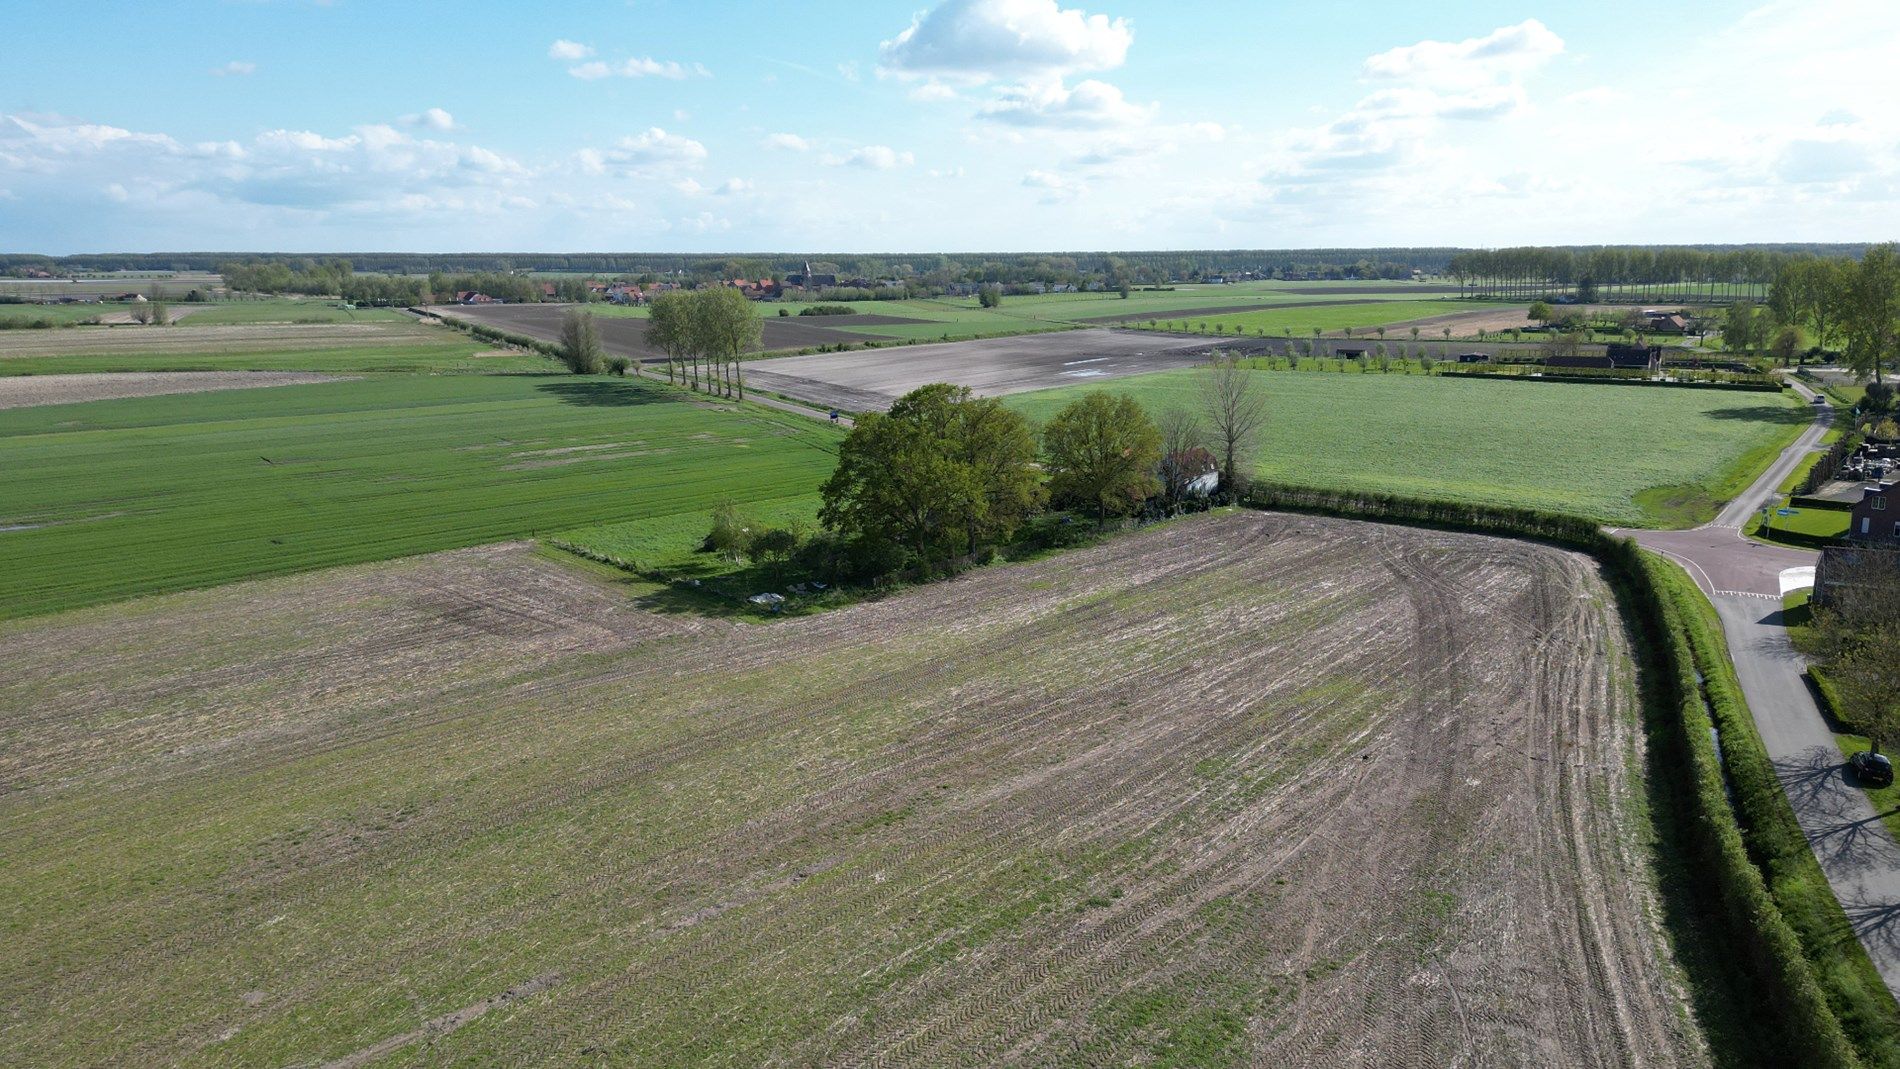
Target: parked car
{"points": [[1871, 769]]}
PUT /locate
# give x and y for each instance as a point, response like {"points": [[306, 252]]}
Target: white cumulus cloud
{"points": [[870, 157], [789, 142], [568, 51], [236, 68], [983, 40], [1508, 48], [652, 151], [1089, 105]]}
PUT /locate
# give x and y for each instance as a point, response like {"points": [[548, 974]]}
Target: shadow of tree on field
{"points": [[1764, 414], [600, 394], [1875, 922]]}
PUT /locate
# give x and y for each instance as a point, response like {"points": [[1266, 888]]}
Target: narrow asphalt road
{"points": [[1856, 851], [1743, 580]]}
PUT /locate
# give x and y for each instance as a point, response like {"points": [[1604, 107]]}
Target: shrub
{"points": [[580, 343], [732, 534], [618, 365], [826, 310]]}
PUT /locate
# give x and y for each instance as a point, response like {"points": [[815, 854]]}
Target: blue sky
{"points": [[957, 126]]}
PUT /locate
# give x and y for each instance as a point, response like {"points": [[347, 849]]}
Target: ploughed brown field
{"points": [[1242, 788]]}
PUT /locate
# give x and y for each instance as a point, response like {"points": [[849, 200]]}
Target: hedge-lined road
{"points": [[1743, 579], [1856, 851]]}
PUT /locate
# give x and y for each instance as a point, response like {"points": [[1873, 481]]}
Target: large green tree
{"points": [[1102, 452], [942, 472], [580, 343], [670, 330], [723, 329], [1859, 629], [1870, 312]]}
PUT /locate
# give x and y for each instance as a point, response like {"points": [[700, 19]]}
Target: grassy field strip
{"points": [[1361, 316], [428, 355], [138, 496], [1587, 450], [671, 543]]}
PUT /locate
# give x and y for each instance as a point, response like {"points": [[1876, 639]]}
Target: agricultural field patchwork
{"points": [[1235, 789], [936, 319], [1626, 455], [114, 499], [376, 345]]}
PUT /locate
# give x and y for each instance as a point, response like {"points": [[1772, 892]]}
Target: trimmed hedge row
{"points": [[1857, 998], [1799, 501], [1686, 675], [1606, 380]]}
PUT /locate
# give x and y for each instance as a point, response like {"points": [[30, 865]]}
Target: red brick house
{"points": [[1876, 518]]}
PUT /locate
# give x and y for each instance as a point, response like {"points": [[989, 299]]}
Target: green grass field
{"points": [[1359, 315], [116, 499], [270, 310], [289, 310], [448, 354], [12, 315], [1621, 454], [1805, 526]]}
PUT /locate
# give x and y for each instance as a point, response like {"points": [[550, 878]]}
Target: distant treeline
{"points": [[337, 277], [1006, 267], [1665, 270], [1660, 273]]}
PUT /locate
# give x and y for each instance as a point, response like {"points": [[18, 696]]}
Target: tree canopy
{"points": [[1102, 453], [941, 473]]}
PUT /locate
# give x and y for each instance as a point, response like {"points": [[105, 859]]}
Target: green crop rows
{"points": [[113, 499]]}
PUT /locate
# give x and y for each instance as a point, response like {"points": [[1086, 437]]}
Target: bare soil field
{"points": [[26, 391], [868, 379], [82, 341], [1238, 789], [628, 337]]}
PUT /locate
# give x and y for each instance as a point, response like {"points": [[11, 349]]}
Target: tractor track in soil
{"points": [[1322, 790]]}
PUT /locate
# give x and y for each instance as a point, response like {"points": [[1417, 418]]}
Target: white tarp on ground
{"points": [[1796, 579]]}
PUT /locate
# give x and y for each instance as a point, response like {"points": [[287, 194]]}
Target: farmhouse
{"points": [[1194, 470], [1876, 517], [1838, 565]]}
